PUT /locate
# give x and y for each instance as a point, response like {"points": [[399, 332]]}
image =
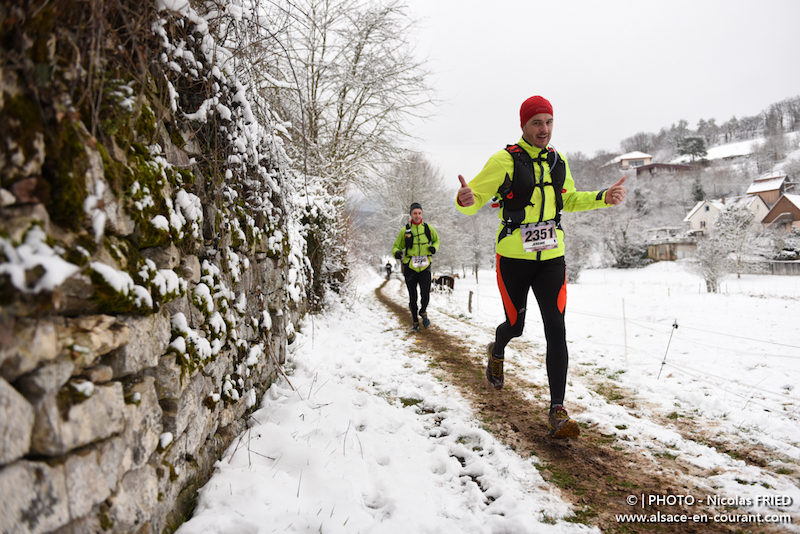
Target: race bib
{"points": [[419, 262], [539, 236]]}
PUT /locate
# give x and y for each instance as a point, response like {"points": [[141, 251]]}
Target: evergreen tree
{"points": [[697, 191], [692, 146]]}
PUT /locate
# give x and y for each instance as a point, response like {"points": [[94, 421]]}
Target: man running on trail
{"points": [[533, 184], [415, 245]]}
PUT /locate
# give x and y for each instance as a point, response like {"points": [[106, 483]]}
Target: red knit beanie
{"points": [[533, 106]]}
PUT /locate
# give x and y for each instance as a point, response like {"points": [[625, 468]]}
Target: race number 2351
{"points": [[539, 236]]}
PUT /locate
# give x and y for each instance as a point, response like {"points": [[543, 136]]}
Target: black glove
{"points": [[432, 250], [398, 254]]}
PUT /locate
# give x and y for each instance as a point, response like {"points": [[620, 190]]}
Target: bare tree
{"points": [[792, 170], [343, 78], [359, 82], [730, 129], [770, 151], [624, 233], [792, 108], [643, 142], [712, 262], [735, 227]]}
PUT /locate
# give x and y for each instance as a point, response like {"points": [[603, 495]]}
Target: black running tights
{"points": [[548, 281], [414, 278]]}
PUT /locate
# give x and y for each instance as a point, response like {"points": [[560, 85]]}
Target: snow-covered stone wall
{"points": [[152, 263]]}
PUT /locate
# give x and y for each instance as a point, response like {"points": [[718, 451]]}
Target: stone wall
{"points": [[145, 306], [103, 429]]}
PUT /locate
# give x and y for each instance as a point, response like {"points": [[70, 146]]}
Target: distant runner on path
{"points": [[533, 184], [415, 245]]}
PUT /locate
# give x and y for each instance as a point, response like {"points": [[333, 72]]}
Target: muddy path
{"points": [[596, 473]]}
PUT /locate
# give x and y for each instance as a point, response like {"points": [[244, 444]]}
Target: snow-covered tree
{"points": [[698, 193], [712, 261], [623, 232], [642, 141], [358, 83], [692, 146], [770, 151], [736, 228], [347, 82]]}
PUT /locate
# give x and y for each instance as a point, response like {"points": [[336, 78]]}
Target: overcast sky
{"points": [[611, 69]]}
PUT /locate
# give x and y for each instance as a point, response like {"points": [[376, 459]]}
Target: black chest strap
{"points": [[516, 191], [409, 237]]}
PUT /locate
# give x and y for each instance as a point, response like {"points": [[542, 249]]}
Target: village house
{"points": [[658, 169], [784, 214], [631, 160], [669, 244], [701, 218], [770, 188]]}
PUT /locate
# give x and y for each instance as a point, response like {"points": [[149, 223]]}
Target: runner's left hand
{"points": [[616, 193]]}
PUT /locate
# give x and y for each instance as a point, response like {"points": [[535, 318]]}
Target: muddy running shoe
{"points": [[415, 326], [561, 426], [425, 321], [494, 368]]}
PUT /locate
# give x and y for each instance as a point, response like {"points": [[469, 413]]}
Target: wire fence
{"points": [[647, 343]]}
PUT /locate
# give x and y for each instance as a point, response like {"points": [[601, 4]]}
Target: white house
{"points": [[701, 218], [631, 160]]}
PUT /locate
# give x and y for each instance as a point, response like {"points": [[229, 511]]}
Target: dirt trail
{"points": [[594, 472]]}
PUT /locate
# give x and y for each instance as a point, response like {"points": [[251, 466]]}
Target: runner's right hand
{"points": [[465, 195]]}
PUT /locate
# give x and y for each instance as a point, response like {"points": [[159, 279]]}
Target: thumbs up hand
{"points": [[465, 195], [616, 193]]}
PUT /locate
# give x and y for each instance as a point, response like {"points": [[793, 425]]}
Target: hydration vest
{"points": [[409, 237], [515, 193]]}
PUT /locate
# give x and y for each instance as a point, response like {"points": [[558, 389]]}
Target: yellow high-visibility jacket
{"points": [[420, 244], [488, 181]]}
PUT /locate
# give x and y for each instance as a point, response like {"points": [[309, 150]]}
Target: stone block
{"points": [[99, 374], [89, 524], [47, 379], [143, 425], [75, 296], [115, 459], [198, 430], [16, 424], [137, 497], [179, 412], [169, 382], [190, 268], [17, 219], [149, 338], [34, 498], [32, 342], [86, 482], [90, 336], [166, 257], [62, 425]]}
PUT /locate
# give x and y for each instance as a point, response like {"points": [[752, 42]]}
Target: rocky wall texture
{"points": [[151, 264]]}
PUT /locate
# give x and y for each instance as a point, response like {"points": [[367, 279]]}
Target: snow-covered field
{"points": [[365, 439]]}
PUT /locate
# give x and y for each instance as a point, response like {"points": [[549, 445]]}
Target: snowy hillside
{"points": [[743, 148], [371, 433]]}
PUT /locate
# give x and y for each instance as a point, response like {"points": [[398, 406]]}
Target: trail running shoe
{"points": [[425, 321], [494, 368], [561, 426], [415, 326]]}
